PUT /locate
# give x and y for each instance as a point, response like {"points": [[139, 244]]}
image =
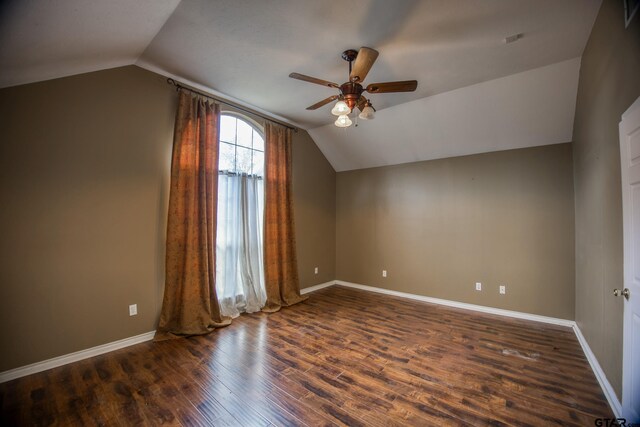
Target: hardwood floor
{"points": [[343, 357]]}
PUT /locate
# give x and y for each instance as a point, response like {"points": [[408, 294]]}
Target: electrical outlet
{"points": [[503, 289], [315, 271], [133, 309], [478, 286], [384, 273]]}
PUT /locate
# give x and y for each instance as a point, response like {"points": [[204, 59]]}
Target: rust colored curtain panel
{"points": [[280, 263], [190, 305]]}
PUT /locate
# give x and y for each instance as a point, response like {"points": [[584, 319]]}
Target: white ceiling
{"points": [[246, 49], [41, 40], [527, 109]]}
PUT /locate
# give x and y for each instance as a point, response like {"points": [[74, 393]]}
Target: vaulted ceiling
{"points": [[475, 92]]}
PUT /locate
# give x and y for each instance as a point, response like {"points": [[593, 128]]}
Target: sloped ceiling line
{"points": [[245, 50], [527, 109]]}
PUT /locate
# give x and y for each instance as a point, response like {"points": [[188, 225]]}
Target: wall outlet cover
{"points": [[384, 273], [503, 289], [478, 286], [133, 309], [315, 270]]}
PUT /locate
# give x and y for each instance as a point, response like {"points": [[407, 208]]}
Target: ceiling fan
{"points": [[350, 95]]}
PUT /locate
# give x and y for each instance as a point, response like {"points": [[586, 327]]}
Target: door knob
{"points": [[625, 293]]}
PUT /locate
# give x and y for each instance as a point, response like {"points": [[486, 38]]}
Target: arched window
{"points": [[239, 262], [241, 146]]}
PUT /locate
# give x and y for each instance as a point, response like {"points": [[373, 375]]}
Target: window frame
{"points": [[256, 127]]}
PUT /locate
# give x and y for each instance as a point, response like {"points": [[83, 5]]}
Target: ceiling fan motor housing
{"points": [[351, 91]]}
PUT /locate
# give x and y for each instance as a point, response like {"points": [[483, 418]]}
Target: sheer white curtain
{"points": [[239, 263]]}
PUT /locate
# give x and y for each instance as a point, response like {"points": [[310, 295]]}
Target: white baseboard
{"points": [[317, 287], [615, 404], [101, 349], [73, 357], [616, 407], [463, 305]]}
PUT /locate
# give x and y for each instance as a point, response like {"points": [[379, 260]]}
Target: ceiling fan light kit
{"points": [[351, 91], [343, 121], [340, 108], [368, 112]]}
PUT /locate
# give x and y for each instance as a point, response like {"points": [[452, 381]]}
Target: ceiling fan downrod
{"points": [[351, 90], [349, 55]]}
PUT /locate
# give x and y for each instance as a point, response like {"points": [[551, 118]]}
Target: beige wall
{"points": [[84, 165], [439, 226], [84, 174], [608, 85], [314, 193]]}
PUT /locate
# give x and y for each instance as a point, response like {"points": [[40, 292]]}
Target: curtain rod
{"points": [[231, 104]]}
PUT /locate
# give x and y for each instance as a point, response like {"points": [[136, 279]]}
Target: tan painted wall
{"points": [[84, 174], [439, 226], [314, 193], [608, 85], [84, 165]]}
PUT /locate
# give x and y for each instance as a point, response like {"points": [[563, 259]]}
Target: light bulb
{"points": [[367, 113], [340, 109], [343, 121]]}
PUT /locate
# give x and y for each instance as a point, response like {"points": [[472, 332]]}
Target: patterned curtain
{"points": [[190, 305], [280, 263]]}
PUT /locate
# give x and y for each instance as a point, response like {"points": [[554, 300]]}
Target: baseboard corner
{"points": [[605, 385], [317, 287]]}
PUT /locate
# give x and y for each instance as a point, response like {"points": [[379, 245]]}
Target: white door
{"points": [[630, 166]]}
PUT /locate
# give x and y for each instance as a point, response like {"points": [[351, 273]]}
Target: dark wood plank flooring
{"points": [[343, 357]]}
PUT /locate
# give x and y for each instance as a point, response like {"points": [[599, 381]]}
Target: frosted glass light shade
{"points": [[367, 113], [340, 109], [343, 121]]}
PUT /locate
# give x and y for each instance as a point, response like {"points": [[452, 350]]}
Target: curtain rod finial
{"points": [[173, 82]]}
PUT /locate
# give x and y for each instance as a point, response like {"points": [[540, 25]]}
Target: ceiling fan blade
{"points": [[404, 86], [323, 102], [363, 63], [310, 79]]}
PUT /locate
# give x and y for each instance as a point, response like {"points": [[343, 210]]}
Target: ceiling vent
{"points": [[513, 38]]}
